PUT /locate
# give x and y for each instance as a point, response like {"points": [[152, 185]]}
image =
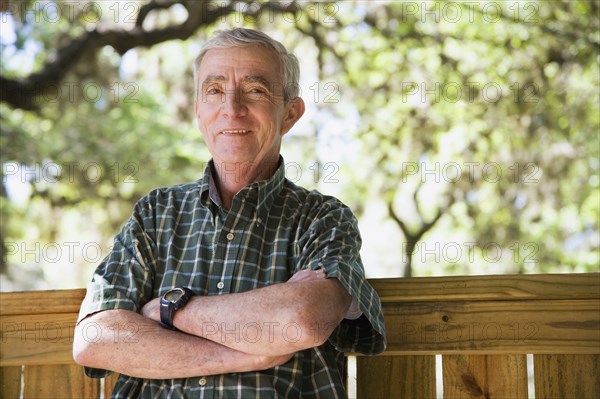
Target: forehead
{"points": [[240, 62]]}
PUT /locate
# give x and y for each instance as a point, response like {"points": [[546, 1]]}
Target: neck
{"points": [[232, 177]]}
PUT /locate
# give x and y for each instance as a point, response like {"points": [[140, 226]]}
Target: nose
{"points": [[233, 104]]}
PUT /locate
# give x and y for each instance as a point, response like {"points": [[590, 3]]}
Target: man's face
{"points": [[240, 106]]}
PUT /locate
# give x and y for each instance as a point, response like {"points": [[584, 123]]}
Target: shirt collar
{"points": [[260, 194]]}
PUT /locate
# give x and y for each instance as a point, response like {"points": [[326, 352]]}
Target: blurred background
{"points": [[464, 135]]}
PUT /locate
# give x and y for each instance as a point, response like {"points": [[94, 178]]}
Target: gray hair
{"points": [[240, 37]]}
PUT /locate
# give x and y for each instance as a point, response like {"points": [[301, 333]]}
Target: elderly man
{"points": [[240, 284]]}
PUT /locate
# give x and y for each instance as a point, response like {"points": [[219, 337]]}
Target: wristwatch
{"points": [[172, 300]]}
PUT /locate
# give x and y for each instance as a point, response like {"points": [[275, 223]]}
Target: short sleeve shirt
{"points": [[181, 235]]}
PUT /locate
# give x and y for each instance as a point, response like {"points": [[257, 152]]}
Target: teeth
{"points": [[235, 131]]}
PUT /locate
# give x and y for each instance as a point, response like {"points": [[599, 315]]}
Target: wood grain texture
{"points": [[41, 302], [486, 377], [483, 327], [493, 327], [554, 316], [59, 381], [37, 339], [384, 377], [10, 382], [417, 289], [490, 287], [567, 376]]}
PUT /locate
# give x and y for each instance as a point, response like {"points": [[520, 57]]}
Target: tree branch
{"points": [[399, 222], [320, 41], [21, 93], [424, 226], [151, 6]]}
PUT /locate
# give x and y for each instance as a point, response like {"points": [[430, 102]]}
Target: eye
{"points": [[212, 90], [256, 92]]}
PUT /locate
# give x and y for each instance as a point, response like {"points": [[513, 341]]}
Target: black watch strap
{"points": [[168, 307], [167, 311]]}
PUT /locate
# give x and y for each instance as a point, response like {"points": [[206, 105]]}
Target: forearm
{"points": [[129, 343], [273, 320]]}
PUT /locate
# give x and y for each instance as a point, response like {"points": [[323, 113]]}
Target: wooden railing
{"points": [[484, 328]]}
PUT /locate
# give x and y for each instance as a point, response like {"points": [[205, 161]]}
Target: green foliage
{"points": [[492, 120], [472, 129]]}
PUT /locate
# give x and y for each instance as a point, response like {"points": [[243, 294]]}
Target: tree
{"points": [[470, 114], [476, 122]]}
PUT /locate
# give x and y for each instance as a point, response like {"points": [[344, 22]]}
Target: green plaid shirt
{"points": [[182, 236]]}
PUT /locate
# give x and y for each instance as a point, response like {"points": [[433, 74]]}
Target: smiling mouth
{"points": [[235, 132]]}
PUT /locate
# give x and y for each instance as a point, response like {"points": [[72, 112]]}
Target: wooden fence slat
{"points": [[390, 377], [420, 289], [10, 382], [488, 316], [490, 287], [41, 302], [59, 381], [481, 376], [493, 327], [43, 339], [567, 376], [456, 327]]}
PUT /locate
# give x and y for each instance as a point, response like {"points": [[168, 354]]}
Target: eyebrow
{"points": [[246, 79], [257, 79], [214, 78]]}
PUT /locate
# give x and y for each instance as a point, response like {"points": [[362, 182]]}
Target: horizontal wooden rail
{"points": [[491, 287], [529, 314], [484, 326]]}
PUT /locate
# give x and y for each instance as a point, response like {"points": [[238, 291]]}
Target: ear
{"points": [[294, 110]]}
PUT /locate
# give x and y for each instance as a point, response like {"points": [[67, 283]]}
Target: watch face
{"points": [[174, 295]]}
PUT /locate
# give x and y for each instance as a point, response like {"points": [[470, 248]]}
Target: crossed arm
{"points": [[239, 332]]}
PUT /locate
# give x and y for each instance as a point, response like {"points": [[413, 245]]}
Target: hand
{"points": [[151, 310], [307, 275]]}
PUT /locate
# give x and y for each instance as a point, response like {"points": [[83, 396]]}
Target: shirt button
{"points": [[202, 381], [220, 285], [230, 236]]}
